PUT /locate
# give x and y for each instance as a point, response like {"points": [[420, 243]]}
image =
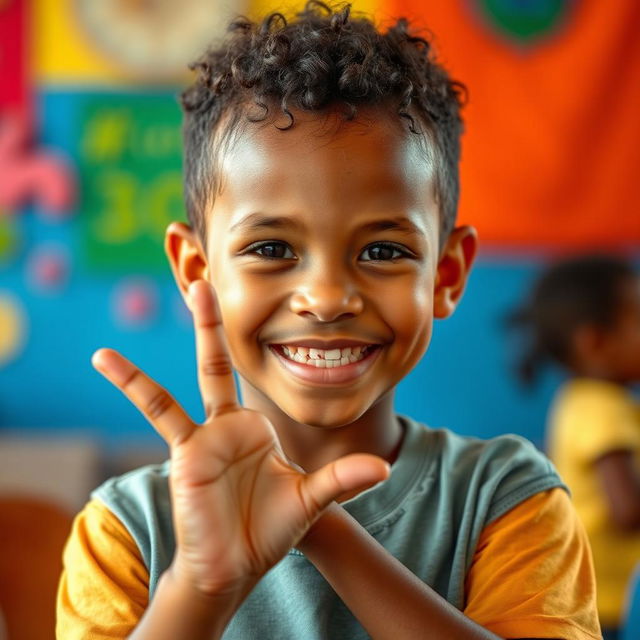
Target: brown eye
{"points": [[382, 251], [274, 250]]}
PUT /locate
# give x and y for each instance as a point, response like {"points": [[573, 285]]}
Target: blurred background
{"points": [[90, 176]]}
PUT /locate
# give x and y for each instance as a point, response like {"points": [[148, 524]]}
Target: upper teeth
{"points": [[324, 357]]}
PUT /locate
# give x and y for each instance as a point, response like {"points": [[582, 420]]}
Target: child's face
{"points": [[325, 239], [622, 341]]}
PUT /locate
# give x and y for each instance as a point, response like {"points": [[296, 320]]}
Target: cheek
{"points": [[244, 306], [411, 319]]}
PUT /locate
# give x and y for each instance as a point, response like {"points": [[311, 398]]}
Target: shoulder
{"points": [[509, 467], [503, 455], [150, 478], [137, 495], [513, 578], [141, 501], [499, 472], [590, 395], [104, 586], [137, 492], [589, 417], [508, 447]]}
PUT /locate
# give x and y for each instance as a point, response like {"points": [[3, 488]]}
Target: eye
{"points": [[271, 249], [383, 251]]}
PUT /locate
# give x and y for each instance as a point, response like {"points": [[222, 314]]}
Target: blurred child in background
{"points": [[584, 314]]}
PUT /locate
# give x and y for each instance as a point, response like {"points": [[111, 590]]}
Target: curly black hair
{"points": [[323, 58], [568, 294]]}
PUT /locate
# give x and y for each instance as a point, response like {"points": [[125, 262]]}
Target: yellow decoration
{"points": [[98, 42], [260, 7], [12, 322], [62, 53]]}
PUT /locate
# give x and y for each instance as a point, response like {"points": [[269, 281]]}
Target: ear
{"points": [[454, 265], [186, 256]]}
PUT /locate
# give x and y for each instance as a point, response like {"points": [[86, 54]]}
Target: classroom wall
{"points": [[547, 169]]}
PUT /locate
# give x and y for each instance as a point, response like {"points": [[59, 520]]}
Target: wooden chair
{"points": [[32, 536]]}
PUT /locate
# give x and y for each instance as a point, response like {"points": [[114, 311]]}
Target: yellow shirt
{"points": [[531, 575], [590, 418]]}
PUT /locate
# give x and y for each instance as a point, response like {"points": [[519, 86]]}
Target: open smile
{"points": [[326, 366], [326, 358]]}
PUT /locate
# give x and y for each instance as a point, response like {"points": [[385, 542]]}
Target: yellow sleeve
{"points": [[600, 417], [532, 573], [104, 588]]}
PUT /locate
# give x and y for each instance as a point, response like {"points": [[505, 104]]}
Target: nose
{"points": [[327, 299]]}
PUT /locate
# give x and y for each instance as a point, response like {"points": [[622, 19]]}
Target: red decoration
{"points": [[28, 174], [135, 301], [48, 268], [14, 88]]}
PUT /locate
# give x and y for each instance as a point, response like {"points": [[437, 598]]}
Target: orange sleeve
{"points": [[104, 588], [532, 573]]}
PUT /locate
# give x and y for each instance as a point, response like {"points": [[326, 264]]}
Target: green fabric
{"points": [[443, 490]]}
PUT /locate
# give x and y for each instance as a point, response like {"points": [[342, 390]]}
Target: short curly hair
{"points": [[323, 58], [568, 294]]}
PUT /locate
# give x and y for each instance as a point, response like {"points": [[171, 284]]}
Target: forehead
{"points": [[324, 166]]}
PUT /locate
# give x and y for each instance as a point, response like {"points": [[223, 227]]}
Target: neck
{"points": [[377, 431]]}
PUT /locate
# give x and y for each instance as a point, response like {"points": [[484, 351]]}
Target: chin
{"points": [[327, 418]]}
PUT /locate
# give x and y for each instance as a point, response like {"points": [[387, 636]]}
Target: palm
{"points": [[238, 504], [234, 465]]}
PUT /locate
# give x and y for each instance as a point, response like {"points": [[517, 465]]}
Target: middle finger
{"points": [[215, 371]]}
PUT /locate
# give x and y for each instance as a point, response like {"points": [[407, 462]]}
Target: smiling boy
{"points": [[321, 180]]}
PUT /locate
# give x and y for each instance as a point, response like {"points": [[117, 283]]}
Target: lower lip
{"points": [[334, 375]]}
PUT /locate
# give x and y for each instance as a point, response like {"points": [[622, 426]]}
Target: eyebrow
{"points": [[402, 225], [258, 221]]}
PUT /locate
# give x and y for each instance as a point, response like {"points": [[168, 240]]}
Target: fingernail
{"points": [[191, 290], [96, 360]]}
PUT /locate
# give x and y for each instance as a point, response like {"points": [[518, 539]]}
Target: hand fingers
{"points": [[158, 406], [215, 371], [355, 471]]}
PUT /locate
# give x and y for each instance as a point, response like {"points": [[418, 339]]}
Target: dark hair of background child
{"points": [[575, 292], [325, 57]]}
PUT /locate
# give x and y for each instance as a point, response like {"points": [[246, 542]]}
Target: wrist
{"points": [[181, 610], [208, 592], [324, 529]]}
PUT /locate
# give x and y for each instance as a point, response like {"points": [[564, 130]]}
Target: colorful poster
{"points": [[129, 153]]}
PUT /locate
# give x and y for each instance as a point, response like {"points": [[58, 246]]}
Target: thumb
{"points": [[355, 471]]}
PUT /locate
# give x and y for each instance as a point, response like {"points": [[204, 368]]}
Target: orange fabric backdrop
{"points": [[551, 156]]}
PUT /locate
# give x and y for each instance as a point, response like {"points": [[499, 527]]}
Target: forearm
{"points": [[389, 601], [178, 612]]}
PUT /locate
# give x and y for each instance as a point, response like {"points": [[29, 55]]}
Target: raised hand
{"points": [[238, 504]]}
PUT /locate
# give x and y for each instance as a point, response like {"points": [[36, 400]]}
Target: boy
{"points": [[321, 180]]}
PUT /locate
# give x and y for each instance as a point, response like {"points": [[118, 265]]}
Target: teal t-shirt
{"points": [[442, 491]]}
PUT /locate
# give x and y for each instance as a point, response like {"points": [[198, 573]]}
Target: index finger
{"points": [[215, 371], [163, 412]]}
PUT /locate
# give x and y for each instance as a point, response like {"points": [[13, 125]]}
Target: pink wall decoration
{"points": [[29, 174]]}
